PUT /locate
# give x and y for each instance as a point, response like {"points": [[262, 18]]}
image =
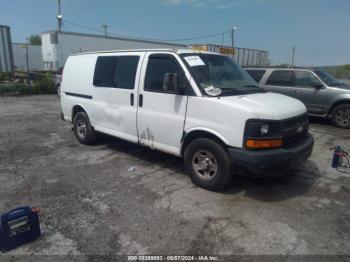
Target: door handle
{"points": [[297, 91], [132, 99], [140, 100]]}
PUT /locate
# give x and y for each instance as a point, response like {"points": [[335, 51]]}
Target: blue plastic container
{"points": [[336, 157], [19, 226]]}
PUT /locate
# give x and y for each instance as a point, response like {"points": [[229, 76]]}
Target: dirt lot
{"points": [[120, 198]]}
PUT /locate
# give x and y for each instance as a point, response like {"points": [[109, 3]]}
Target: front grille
{"points": [[294, 130]]}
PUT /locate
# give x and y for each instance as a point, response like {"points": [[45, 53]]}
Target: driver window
{"points": [[158, 67], [304, 78]]}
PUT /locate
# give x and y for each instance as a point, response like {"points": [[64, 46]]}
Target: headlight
{"points": [[257, 128], [263, 134], [264, 130]]}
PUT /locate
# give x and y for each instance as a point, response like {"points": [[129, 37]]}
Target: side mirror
{"points": [[174, 83], [170, 82], [317, 85]]}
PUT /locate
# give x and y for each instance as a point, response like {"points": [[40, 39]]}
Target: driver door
{"points": [[161, 112]]}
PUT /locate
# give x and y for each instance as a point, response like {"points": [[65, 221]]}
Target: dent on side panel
{"points": [[148, 136]]}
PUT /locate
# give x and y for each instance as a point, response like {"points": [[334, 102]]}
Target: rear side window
{"points": [[280, 78], [157, 67], [256, 74], [116, 71], [104, 71]]}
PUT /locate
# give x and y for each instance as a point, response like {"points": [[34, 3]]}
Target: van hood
{"points": [[267, 105]]}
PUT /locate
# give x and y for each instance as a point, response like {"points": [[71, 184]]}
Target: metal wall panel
{"points": [[6, 54]]}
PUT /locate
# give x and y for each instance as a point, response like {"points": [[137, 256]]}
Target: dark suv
{"points": [[322, 94]]}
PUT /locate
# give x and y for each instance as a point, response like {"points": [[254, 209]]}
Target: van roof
{"points": [[173, 50]]}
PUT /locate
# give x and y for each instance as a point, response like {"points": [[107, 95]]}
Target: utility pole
{"points": [[105, 26], [28, 70], [233, 39], [293, 54], [59, 16]]}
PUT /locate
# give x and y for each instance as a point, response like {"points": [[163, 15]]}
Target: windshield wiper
{"points": [[253, 89], [227, 92], [251, 86]]}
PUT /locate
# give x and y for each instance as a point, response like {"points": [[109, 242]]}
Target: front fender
{"points": [[208, 130]]}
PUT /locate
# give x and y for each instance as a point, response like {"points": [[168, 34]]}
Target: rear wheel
{"points": [[83, 130], [341, 116], [58, 89], [208, 164]]}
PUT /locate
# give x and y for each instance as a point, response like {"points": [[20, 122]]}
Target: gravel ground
{"points": [[117, 198]]}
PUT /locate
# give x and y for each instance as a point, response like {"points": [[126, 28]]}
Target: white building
{"points": [[57, 46]]}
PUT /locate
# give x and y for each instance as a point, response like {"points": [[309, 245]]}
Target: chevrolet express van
{"points": [[196, 105]]}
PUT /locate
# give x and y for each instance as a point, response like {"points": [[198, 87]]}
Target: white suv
{"points": [[196, 105]]}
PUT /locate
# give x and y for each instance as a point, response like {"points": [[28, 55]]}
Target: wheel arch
{"points": [[337, 103], [195, 133], [78, 108]]}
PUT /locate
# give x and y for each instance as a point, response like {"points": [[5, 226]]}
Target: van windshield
{"points": [[219, 75]]}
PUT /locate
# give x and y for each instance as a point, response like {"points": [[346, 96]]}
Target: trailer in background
{"points": [[57, 46], [35, 58], [6, 54], [243, 56]]}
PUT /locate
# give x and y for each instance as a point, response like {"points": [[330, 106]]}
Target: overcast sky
{"points": [[319, 29]]}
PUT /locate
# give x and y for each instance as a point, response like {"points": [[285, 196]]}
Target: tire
{"points": [[83, 130], [58, 88], [208, 164], [341, 116]]}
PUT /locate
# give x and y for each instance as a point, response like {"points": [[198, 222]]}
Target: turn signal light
{"points": [[256, 144]]}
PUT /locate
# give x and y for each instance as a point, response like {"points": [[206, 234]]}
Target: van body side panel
{"points": [[76, 87], [116, 115]]}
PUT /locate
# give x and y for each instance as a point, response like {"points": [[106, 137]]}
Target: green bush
{"points": [[5, 76], [22, 89], [35, 90], [14, 89], [4, 89], [45, 85]]}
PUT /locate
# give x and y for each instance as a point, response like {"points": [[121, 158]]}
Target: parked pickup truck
{"points": [[196, 105], [323, 95]]}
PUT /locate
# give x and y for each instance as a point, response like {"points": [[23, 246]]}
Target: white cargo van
{"points": [[196, 105]]}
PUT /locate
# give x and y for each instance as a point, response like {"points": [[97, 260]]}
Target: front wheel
{"points": [[208, 164], [83, 130], [341, 116]]}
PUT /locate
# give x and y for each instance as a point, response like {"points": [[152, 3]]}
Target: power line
{"points": [[83, 26], [149, 39], [197, 37]]}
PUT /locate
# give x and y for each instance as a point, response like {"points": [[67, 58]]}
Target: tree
{"points": [[35, 40]]}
